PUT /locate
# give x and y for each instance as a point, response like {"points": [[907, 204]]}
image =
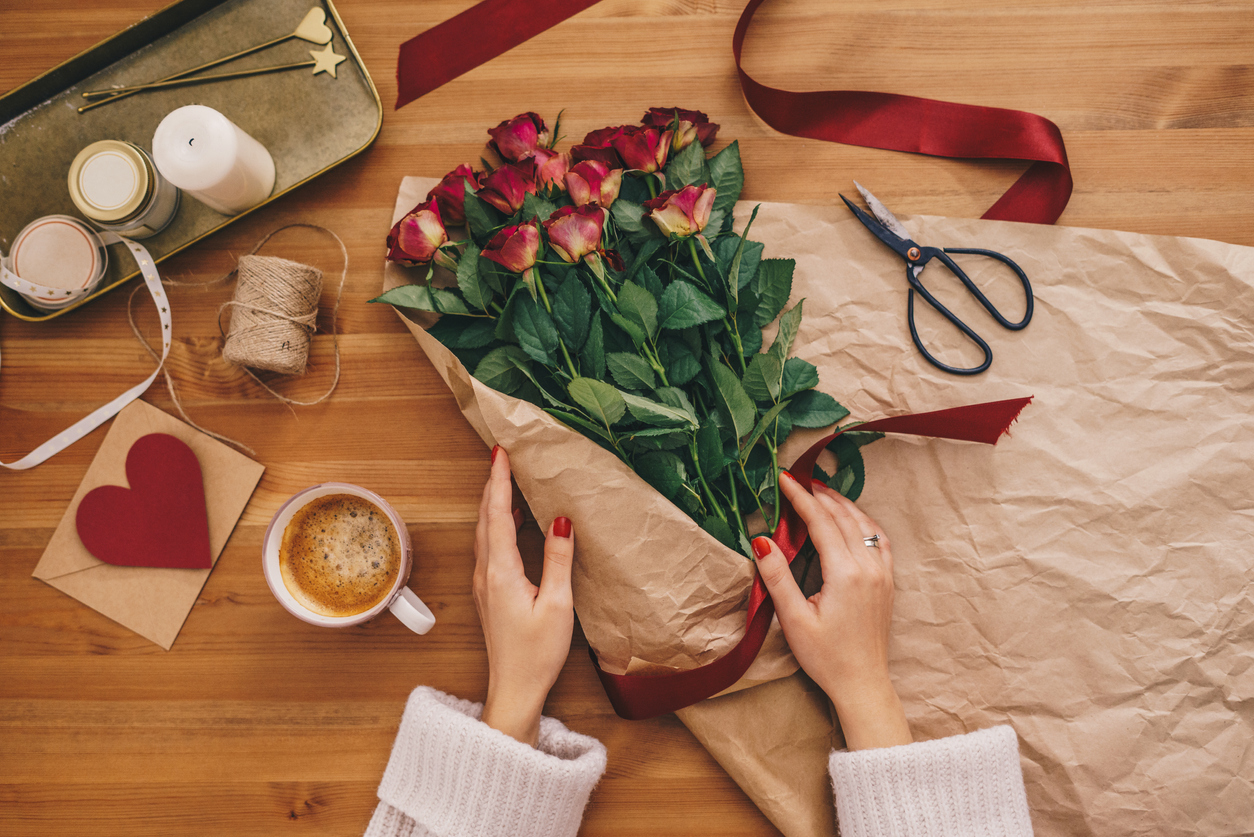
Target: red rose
{"points": [[517, 138], [416, 239], [505, 188], [593, 182], [547, 167], [451, 193], [682, 213], [575, 232], [693, 124], [515, 248], [642, 149]]}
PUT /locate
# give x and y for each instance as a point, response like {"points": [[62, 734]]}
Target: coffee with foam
{"points": [[340, 555]]}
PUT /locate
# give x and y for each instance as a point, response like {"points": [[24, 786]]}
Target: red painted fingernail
{"points": [[787, 475], [495, 450], [761, 546], [561, 527], [518, 518]]}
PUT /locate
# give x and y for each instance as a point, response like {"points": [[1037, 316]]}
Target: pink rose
{"points": [[592, 182], [642, 149], [547, 167], [505, 188], [517, 138], [684, 212], [416, 239], [515, 248], [575, 232], [693, 124], [596, 146], [451, 193]]}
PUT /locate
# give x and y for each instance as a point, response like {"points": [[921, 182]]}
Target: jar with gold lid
{"points": [[116, 186]]}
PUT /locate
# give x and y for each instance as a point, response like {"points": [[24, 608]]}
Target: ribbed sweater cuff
{"points": [[452, 775], [968, 785]]}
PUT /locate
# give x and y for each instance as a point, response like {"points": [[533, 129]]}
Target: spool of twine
{"points": [[273, 314]]}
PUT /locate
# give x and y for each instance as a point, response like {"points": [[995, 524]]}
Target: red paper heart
{"points": [[160, 521]]}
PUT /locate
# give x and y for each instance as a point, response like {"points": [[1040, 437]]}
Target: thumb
{"points": [[559, 555], [773, 567]]}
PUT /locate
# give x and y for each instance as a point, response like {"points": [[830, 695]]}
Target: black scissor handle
{"points": [[979, 295], [949, 315]]}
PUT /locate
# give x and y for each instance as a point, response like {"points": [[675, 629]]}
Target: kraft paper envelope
{"points": [[151, 601]]}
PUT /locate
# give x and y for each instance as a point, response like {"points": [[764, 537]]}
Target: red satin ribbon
{"points": [[636, 697], [924, 126]]}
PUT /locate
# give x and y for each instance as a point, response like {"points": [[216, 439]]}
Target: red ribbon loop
{"points": [[924, 126], [636, 697]]}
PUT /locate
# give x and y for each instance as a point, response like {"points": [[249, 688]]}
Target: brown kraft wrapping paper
{"points": [[1086, 581]]}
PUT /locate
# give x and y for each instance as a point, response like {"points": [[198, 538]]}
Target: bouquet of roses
{"points": [[605, 284]]}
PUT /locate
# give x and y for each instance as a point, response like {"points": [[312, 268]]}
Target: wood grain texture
{"points": [[256, 723]]}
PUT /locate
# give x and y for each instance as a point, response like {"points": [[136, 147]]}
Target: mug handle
{"points": [[412, 612]]}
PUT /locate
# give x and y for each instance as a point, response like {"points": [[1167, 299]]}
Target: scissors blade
{"points": [[882, 214], [894, 242]]}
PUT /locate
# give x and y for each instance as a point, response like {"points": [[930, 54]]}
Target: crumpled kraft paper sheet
{"points": [[1086, 581]]}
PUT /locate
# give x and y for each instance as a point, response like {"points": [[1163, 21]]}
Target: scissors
{"points": [[889, 230]]}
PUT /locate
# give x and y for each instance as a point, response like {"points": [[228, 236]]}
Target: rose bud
{"points": [[575, 232], [593, 182], [505, 188], [682, 213], [416, 239], [451, 193], [642, 149], [548, 167], [693, 124], [517, 138], [515, 248]]}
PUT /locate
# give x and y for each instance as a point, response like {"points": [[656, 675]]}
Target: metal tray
{"points": [[309, 123]]}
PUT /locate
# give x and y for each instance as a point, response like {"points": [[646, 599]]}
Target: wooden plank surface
{"points": [[256, 722]]}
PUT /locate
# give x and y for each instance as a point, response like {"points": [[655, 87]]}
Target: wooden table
{"points": [[258, 724]]}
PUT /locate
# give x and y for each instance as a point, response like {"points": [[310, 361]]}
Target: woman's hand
{"points": [[527, 628], [840, 634]]}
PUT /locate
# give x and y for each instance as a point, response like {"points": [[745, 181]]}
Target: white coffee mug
{"points": [[400, 599]]}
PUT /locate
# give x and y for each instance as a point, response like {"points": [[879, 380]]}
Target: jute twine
{"points": [[275, 309]]}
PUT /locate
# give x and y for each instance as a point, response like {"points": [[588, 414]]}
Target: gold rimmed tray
{"points": [[309, 123]]}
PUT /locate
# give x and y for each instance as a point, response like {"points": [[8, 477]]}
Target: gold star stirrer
{"points": [[312, 28]]}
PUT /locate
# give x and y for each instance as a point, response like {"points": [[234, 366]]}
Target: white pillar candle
{"points": [[207, 155]]}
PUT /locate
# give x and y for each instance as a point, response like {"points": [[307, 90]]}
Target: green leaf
{"points": [[424, 298], [633, 329], [848, 458], [630, 221], [590, 429], [732, 398], [682, 306], [477, 293], [535, 331], [592, 356], [761, 428], [630, 371], [798, 375], [687, 167], [535, 206], [480, 217], [710, 449], [499, 369], [680, 363], [657, 438], [572, 313], [789, 323], [763, 377], [602, 401], [774, 285], [664, 471], [658, 415], [815, 409], [463, 334], [728, 176], [778, 431], [751, 341], [720, 530], [639, 306], [650, 282], [646, 251], [739, 273]]}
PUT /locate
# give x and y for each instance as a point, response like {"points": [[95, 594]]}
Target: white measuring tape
{"points": [[81, 428]]}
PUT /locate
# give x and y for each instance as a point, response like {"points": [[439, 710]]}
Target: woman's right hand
{"points": [[840, 634]]}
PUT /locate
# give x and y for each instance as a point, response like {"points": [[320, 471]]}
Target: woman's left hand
{"points": [[527, 628]]}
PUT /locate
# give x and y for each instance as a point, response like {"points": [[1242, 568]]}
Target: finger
{"points": [[502, 534], [823, 530], [869, 526], [559, 557], [790, 602], [481, 525], [851, 529]]}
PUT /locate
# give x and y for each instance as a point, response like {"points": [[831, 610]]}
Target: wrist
{"points": [[871, 714], [515, 715]]}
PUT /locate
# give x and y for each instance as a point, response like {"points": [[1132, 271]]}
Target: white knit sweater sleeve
{"points": [[450, 775], [964, 786]]}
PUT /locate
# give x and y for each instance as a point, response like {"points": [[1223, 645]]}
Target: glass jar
{"points": [[55, 261], [116, 186]]}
